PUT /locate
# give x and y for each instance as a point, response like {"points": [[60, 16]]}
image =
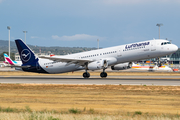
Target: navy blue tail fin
{"points": [[26, 54]]}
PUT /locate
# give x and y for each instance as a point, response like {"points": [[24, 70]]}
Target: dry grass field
{"points": [[91, 102]]}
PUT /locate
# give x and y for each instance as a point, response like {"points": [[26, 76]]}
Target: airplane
{"points": [[151, 67], [95, 59], [9, 61]]}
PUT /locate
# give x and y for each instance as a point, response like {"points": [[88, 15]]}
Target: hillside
{"points": [[54, 50]]}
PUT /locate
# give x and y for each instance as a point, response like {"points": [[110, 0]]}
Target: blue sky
{"points": [[79, 23]]}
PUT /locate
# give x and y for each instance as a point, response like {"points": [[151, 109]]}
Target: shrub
{"points": [[51, 118], [91, 110], [8, 109], [138, 113], [74, 111], [28, 109]]}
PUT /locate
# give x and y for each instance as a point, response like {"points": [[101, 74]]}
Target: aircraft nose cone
{"points": [[175, 48]]}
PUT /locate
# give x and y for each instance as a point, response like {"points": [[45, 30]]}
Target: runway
{"points": [[94, 80]]}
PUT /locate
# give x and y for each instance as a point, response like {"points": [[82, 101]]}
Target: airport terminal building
{"points": [[172, 59], [175, 57]]}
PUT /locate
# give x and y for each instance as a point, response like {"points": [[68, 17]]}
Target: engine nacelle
{"points": [[122, 66], [101, 64]]}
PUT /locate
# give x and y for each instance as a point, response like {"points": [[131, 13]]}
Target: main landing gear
{"points": [[87, 75]]}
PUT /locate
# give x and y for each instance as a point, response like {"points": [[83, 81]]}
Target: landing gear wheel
{"points": [[103, 74], [159, 63], [86, 75]]}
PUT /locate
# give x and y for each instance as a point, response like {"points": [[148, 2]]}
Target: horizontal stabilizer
{"points": [[19, 66]]}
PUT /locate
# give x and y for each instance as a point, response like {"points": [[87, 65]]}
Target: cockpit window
{"points": [[164, 43]]}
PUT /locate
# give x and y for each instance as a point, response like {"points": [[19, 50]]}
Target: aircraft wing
{"points": [[68, 60]]}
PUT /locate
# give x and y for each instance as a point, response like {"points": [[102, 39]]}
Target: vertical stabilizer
{"points": [[8, 60], [26, 54], [28, 58]]}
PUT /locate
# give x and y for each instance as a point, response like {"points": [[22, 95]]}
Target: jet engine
{"points": [[122, 66], [101, 64]]}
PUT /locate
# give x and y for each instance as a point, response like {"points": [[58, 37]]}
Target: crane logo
{"points": [[25, 55]]}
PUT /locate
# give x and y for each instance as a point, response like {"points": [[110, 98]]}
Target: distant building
{"points": [[172, 59], [175, 57]]}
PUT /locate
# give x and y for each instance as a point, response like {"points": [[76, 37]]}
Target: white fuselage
{"points": [[114, 55]]}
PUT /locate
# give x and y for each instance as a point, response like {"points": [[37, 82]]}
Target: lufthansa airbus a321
{"points": [[95, 59]]}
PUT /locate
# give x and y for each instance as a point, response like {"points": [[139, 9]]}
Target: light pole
{"points": [[25, 35], [98, 43], [9, 28], [159, 25]]}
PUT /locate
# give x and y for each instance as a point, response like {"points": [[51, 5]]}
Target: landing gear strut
{"points": [[86, 74], [159, 64], [103, 74]]}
